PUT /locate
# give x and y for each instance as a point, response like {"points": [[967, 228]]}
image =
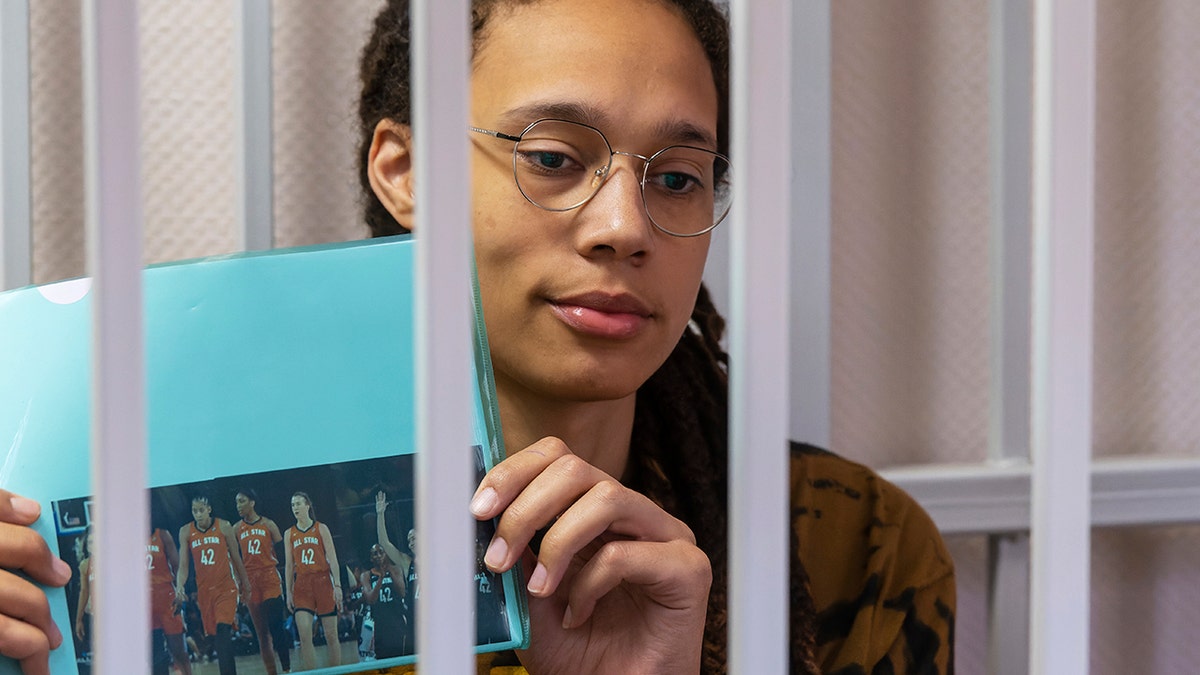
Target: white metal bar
{"points": [[969, 498], [761, 147], [114, 226], [253, 101], [1008, 630], [812, 223], [1011, 147], [16, 222], [1064, 156], [1145, 491], [1010, 150], [441, 58], [980, 499]]}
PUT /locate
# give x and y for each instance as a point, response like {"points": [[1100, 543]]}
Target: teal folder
{"points": [[283, 371]]}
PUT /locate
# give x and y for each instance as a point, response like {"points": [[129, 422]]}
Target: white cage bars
{"points": [[1006, 495]]}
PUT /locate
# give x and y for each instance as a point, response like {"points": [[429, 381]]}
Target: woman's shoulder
{"points": [[851, 522], [876, 563]]}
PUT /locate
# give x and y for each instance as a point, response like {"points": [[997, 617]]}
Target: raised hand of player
{"points": [[617, 586], [27, 633], [380, 502]]}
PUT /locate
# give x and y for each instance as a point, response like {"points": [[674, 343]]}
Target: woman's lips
{"points": [[602, 315]]}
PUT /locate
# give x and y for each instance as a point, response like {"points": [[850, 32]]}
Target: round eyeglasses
{"points": [[559, 165]]}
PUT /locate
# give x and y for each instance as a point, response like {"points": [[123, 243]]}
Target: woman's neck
{"points": [[597, 431]]}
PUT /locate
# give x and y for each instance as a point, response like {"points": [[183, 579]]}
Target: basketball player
{"points": [[166, 624], [219, 575], [257, 536], [314, 588]]}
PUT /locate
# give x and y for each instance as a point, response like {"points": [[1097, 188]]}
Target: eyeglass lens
{"points": [[559, 165]]}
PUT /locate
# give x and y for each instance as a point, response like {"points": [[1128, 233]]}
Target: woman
{"points": [[220, 576], [314, 589], [83, 605], [257, 536], [166, 624], [394, 572], [619, 404], [383, 590]]}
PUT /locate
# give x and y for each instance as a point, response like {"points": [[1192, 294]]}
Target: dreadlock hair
{"points": [[679, 453], [679, 444]]}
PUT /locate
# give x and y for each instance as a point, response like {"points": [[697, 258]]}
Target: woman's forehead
{"points": [[625, 64]]}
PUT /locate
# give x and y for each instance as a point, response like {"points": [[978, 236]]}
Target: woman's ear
{"points": [[390, 170]]}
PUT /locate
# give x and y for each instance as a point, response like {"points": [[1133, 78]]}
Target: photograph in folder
{"points": [[280, 410]]}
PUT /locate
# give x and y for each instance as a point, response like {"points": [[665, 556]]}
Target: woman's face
{"points": [[244, 504], [299, 507], [586, 304], [202, 514], [377, 556]]}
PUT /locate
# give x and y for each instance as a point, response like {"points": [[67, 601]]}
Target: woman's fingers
{"points": [[17, 509], [514, 478], [608, 512], [675, 576], [546, 485], [508, 478], [27, 633], [22, 548], [529, 491], [27, 603]]}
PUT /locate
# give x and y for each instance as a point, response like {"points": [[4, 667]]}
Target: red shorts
{"points": [[314, 593], [264, 585], [162, 609], [217, 606]]}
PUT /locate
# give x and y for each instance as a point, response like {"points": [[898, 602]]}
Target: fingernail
{"points": [[26, 508], [567, 617], [56, 636], [484, 502], [62, 569], [537, 580], [496, 553]]}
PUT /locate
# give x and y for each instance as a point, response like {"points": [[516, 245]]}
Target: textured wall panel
{"points": [[56, 140], [971, 623], [1145, 600], [1147, 384], [316, 90], [188, 128], [910, 229]]}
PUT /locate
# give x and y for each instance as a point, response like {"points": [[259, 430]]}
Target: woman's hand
{"points": [[617, 585], [27, 633]]}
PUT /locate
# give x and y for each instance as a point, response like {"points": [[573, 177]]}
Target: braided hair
{"points": [[679, 444]]}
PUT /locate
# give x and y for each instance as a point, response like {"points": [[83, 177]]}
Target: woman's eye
{"points": [[676, 182], [550, 160]]}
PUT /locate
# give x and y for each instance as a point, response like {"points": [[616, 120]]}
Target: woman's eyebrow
{"points": [[683, 132], [564, 110], [675, 131]]}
